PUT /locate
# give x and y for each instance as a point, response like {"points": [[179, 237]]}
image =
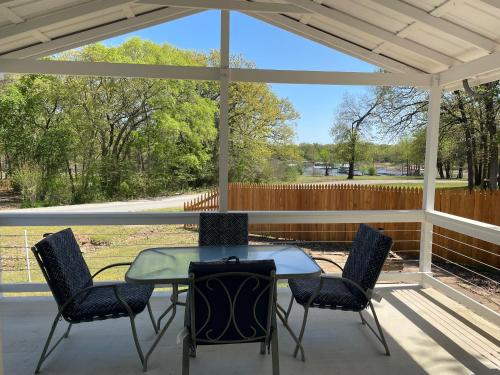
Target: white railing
{"points": [[483, 231]]}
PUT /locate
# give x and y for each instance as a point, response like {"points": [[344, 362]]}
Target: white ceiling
{"points": [[429, 36]]}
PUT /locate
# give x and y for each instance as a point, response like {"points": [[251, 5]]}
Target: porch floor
{"points": [[427, 333]]}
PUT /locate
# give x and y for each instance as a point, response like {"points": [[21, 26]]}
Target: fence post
{"points": [[431, 150], [27, 251]]}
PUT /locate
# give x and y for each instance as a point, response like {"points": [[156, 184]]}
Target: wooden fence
{"points": [[477, 205]]}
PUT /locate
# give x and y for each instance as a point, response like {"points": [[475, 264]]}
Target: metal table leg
{"points": [[292, 334], [173, 308]]}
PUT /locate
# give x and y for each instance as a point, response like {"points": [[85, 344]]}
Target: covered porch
{"points": [[426, 331], [432, 327]]}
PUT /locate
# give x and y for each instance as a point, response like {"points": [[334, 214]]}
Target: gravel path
{"points": [[125, 206]]}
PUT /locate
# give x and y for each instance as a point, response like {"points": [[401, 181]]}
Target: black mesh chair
{"points": [[223, 229], [215, 229], [231, 302], [78, 299], [351, 292]]}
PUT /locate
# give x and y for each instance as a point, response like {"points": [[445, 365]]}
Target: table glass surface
{"points": [[169, 264]]}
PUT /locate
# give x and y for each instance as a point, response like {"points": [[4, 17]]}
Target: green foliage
{"points": [[27, 179], [95, 138]]}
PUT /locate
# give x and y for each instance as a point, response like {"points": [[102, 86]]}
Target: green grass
{"points": [[440, 184], [101, 245], [356, 178]]}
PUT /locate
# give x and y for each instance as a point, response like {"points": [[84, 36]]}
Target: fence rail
{"points": [[477, 205]]}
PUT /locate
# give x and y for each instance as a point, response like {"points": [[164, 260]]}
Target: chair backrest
{"points": [[223, 229], [231, 302], [62, 265], [367, 256]]}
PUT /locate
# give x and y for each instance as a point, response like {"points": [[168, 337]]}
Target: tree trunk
{"points": [[440, 169], [447, 168], [491, 126], [350, 174]]}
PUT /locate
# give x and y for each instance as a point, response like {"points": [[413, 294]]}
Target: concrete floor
{"points": [[427, 333]]}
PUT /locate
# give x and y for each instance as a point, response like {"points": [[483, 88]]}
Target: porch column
{"points": [[431, 151], [224, 112]]}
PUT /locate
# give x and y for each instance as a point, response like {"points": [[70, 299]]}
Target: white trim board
{"points": [[23, 66]]}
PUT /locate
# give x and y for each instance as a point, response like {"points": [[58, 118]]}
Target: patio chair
{"points": [[215, 229], [223, 229], [78, 299], [351, 292], [231, 302]]}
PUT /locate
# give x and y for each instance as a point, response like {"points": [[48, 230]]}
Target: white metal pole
{"points": [[224, 112], [27, 251], [431, 151]]}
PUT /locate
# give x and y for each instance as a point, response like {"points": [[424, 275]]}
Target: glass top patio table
{"points": [[165, 265]]}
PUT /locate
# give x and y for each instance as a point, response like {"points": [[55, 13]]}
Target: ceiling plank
{"points": [[445, 26], [96, 34], [247, 6], [387, 36], [334, 42], [59, 16]]}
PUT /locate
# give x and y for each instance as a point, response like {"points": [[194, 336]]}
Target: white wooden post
{"points": [[431, 151], [224, 112]]}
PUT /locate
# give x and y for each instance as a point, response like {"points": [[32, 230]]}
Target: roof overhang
{"points": [[455, 39]]}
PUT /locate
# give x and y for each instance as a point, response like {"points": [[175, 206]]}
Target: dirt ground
{"points": [[484, 291]]}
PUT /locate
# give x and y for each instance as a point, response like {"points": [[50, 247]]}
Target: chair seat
{"points": [[101, 303], [335, 294]]}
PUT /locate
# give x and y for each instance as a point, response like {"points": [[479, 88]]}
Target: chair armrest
{"points": [[111, 266], [329, 261]]}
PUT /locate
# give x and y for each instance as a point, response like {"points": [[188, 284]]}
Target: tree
{"points": [[355, 117], [98, 138]]}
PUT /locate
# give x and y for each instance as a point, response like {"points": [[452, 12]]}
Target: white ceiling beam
{"points": [[59, 16], [247, 6], [363, 26], [24, 66], [440, 24], [334, 42], [104, 69], [127, 10], [331, 78], [471, 69], [10, 15], [96, 34]]}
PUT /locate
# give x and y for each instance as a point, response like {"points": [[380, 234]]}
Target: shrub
{"points": [[27, 180]]}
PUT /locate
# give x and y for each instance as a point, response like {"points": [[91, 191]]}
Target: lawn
{"points": [[101, 245]]}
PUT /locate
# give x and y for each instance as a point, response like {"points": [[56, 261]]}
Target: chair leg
{"points": [[263, 348], [66, 334], [151, 316], [289, 309], [44, 354], [186, 345], [301, 335], [381, 337], [136, 339], [274, 346], [363, 321]]}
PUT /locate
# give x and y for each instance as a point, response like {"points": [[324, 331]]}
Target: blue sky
{"points": [[271, 48]]}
